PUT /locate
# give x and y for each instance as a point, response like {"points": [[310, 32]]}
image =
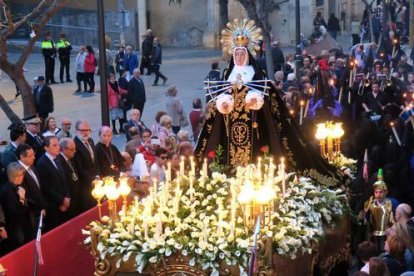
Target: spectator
{"points": [[394, 255], [80, 69], [136, 91], [134, 121], [378, 267], [90, 67], [333, 25], [155, 128], [53, 184], [50, 127], [214, 77], [156, 60], [278, 57], [85, 163], [365, 251], [13, 201], [356, 31], [183, 136], [115, 113], [125, 104], [34, 197], [43, 98], [146, 52], [130, 62], [195, 117], [157, 171], [174, 109], [17, 137], [165, 130], [119, 61], [65, 130]]}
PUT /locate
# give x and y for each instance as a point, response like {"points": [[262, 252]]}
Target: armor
{"points": [[380, 215]]}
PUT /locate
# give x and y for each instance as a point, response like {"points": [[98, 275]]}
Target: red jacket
{"points": [[90, 63], [113, 97]]}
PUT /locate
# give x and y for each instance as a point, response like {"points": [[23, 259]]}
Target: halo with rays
{"points": [[242, 32]]}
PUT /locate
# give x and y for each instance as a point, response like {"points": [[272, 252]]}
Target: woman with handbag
{"points": [[175, 110]]}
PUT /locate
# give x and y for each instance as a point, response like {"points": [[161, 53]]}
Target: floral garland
{"points": [[196, 223]]}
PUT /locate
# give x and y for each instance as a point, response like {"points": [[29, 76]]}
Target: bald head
{"points": [[403, 213]]}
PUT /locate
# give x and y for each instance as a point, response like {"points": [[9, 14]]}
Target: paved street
{"points": [[185, 68]]}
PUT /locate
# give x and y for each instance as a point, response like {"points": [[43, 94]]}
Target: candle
{"points": [[168, 176], [350, 74], [302, 103], [395, 134], [349, 97], [182, 166], [205, 167], [155, 185], [259, 169], [306, 109], [282, 168], [136, 203], [340, 94], [191, 187], [158, 230], [233, 211], [145, 229], [192, 165]]}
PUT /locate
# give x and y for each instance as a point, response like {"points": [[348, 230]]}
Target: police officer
{"points": [[64, 49], [49, 53]]}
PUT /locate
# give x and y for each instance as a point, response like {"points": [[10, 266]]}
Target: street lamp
{"points": [[102, 63]]}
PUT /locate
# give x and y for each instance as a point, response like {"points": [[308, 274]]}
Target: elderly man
{"points": [[67, 153], [134, 121], [33, 136], [53, 184], [17, 137], [84, 160], [130, 61], [65, 130], [136, 91], [403, 213], [109, 161], [43, 99], [34, 196]]}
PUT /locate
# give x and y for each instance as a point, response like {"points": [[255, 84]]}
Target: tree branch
{"points": [[44, 18], [34, 13]]}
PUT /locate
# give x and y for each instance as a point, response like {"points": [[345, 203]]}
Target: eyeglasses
{"points": [[85, 130], [67, 124], [163, 157]]}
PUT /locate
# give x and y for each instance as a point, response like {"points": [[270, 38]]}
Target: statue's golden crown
{"points": [[241, 33]]}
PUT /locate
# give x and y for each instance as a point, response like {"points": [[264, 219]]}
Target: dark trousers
{"points": [[158, 75], [355, 39], [139, 106], [80, 77], [89, 79], [145, 63], [176, 129], [64, 65], [49, 69]]}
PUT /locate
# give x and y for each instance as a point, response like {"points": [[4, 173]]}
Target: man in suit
{"points": [[31, 184], [136, 91], [43, 98], [17, 137], [33, 136], [84, 160], [67, 152], [52, 184]]}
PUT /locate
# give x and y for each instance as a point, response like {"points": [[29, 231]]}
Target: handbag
{"points": [[184, 120]]}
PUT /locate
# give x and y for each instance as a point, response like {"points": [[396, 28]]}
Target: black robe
{"points": [[109, 160], [275, 129]]}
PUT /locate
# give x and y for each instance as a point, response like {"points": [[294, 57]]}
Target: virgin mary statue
{"points": [[246, 114]]}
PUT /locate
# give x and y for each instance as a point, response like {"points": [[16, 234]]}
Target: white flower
{"points": [[153, 259]]}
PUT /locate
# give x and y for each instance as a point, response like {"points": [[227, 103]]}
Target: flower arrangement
{"points": [[202, 219]]}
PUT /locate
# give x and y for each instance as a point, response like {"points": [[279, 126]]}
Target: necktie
{"points": [[54, 163], [88, 146], [39, 141], [32, 174], [38, 95]]}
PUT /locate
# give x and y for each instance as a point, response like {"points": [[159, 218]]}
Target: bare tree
{"points": [[37, 20], [259, 11]]}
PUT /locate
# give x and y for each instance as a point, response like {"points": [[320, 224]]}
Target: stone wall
{"points": [[179, 25]]}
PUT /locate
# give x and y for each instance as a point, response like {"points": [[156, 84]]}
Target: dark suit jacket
{"points": [[18, 226], [34, 196], [54, 189], [9, 155], [141, 127], [73, 185], [45, 104], [85, 167], [136, 92], [38, 148]]}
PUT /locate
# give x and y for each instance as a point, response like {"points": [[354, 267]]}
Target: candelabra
{"points": [[329, 135]]}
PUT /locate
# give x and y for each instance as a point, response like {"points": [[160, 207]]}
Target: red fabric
{"points": [[113, 97], [90, 63], [62, 249], [323, 64]]}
